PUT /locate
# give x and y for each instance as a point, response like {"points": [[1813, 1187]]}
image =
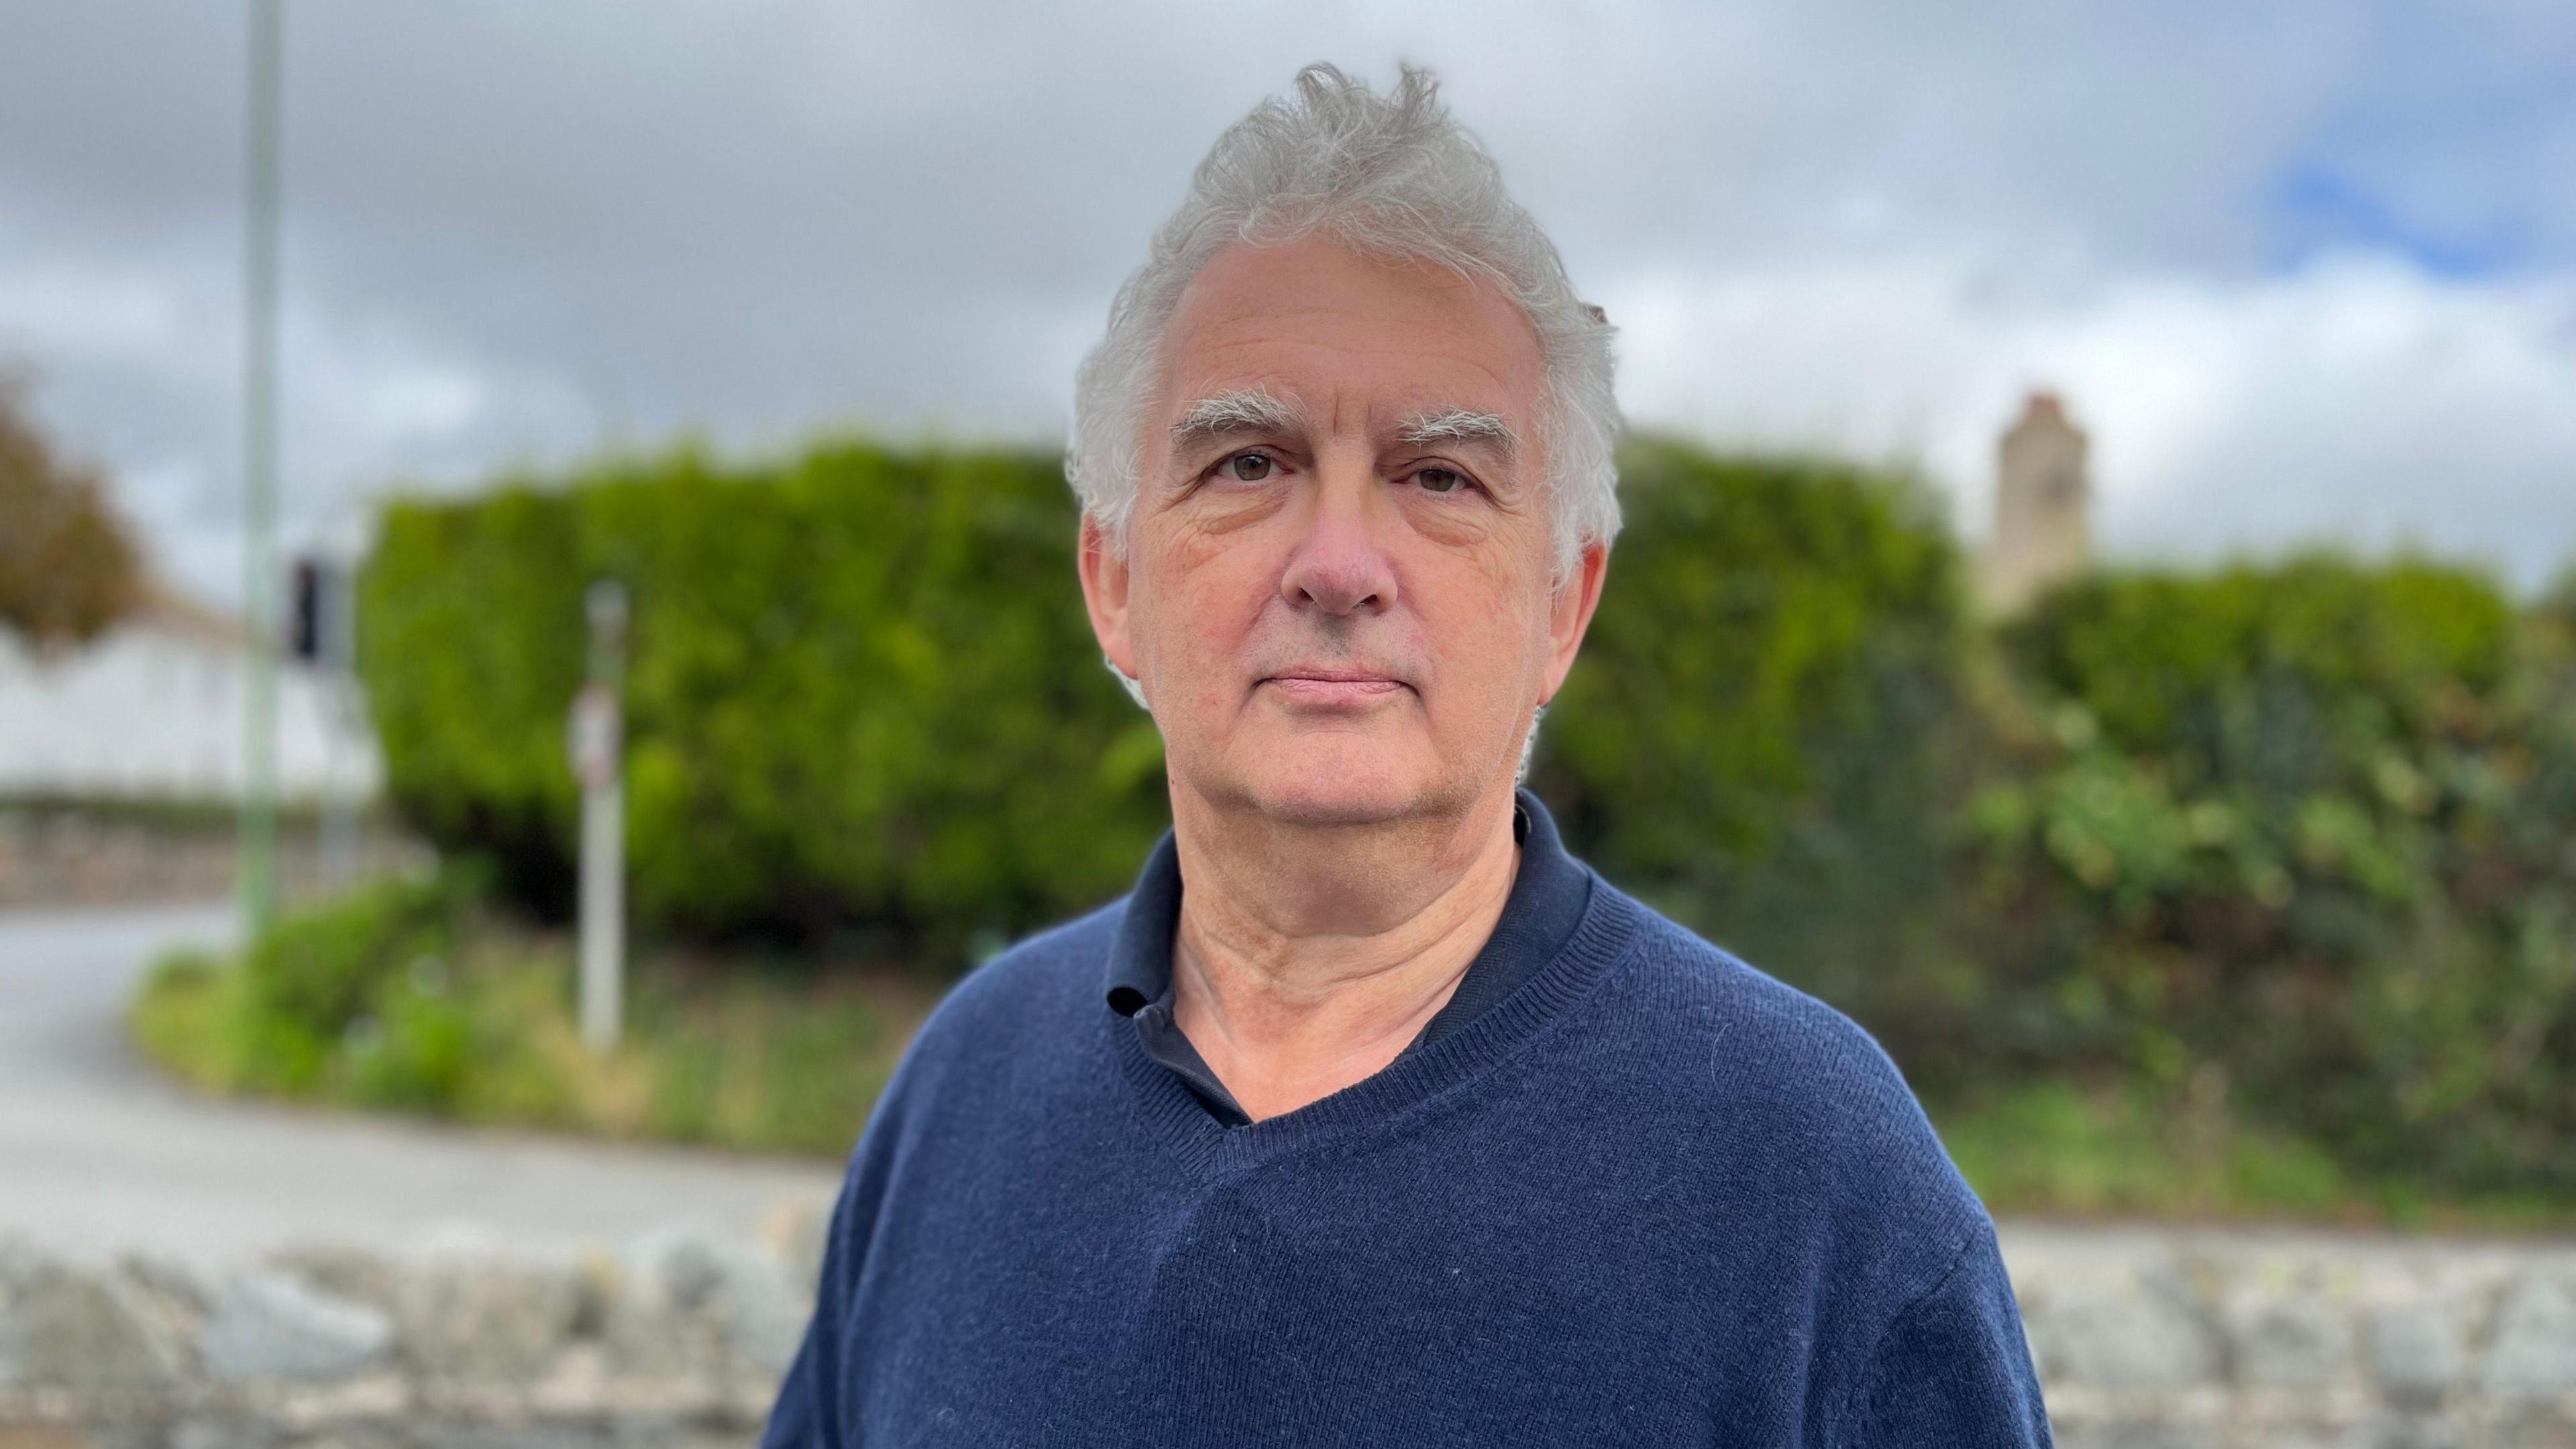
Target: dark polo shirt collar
{"points": [[1548, 896]]}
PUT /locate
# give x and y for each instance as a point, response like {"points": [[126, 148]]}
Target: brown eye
{"points": [[1438, 480], [1248, 467]]}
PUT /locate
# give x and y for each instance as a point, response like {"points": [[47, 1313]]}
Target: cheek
{"points": [[1202, 592], [1485, 615]]}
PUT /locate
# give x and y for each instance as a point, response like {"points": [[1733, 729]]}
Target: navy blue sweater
{"points": [[1649, 1196]]}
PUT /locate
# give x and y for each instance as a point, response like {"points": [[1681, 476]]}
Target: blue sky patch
{"points": [[2314, 208]]}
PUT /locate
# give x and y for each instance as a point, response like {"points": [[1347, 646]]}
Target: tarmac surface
{"points": [[99, 1155]]}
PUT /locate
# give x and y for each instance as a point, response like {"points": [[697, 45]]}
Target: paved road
{"points": [[99, 1155]]}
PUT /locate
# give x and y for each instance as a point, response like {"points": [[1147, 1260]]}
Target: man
{"points": [[1371, 1116]]}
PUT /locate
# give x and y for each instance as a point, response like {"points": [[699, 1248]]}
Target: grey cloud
{"points": [[591, 219]]}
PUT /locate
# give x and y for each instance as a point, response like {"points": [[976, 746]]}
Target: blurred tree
{"points": [[68, 566], [2555, 615]]}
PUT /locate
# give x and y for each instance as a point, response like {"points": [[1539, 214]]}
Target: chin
{"points": [[1341, 781]]}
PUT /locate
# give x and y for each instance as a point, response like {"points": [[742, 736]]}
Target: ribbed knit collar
{"points": [[1552, 901], [1548, 892]]}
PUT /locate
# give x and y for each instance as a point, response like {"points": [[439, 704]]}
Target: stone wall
{"points": [[2144, 1338], [57, 856], [674, 1341], [2257, 1339]]}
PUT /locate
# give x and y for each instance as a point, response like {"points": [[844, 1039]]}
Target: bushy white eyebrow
{"points": [[1250, 410], [1459, 425]]}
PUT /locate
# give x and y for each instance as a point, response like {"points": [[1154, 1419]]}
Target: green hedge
{"points": [[862, 691], [864, 694], [2292, 845], [2304, 834], [1768, 726]]}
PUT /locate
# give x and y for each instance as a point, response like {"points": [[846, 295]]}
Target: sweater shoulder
{"points": [[1037, 984], [1700, 1000], [1008, 1032], [1756, 1089], [1720, 1041], [1011, 1016]]}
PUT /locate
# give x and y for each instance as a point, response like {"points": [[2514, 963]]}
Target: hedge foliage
{"points": [[1764, 733], [351, 1000], [2295, 841], [862, 691], [411, 996], [2305, 833]]}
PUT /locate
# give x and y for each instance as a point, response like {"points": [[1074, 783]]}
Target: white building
{"points": [[154, 708]]}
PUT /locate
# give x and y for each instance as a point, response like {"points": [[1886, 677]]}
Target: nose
{"points": [[1341, 565]]}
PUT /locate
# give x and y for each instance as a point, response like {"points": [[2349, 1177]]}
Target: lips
{"points": [[1334, 687]]}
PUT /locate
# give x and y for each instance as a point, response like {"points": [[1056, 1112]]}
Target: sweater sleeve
{"points": [[807, 1413], [1953, 1370], [812, 1408]]}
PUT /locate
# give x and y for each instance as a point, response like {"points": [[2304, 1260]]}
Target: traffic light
{"points": [[318, 621], [304, 625]]}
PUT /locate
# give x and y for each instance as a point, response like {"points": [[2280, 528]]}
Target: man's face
{"points": [[1336, 593]]}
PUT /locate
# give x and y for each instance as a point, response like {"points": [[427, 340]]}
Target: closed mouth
{"points": [[1324, 685], [1335, 676]]}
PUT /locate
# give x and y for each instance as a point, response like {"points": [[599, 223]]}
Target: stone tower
{"points": [[2042, 499]]}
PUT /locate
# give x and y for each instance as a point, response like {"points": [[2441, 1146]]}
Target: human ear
{"points": [[1105, 577], [1569, 613]]}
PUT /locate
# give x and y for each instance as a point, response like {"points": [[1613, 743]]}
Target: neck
{"points": [[1308, 957]]}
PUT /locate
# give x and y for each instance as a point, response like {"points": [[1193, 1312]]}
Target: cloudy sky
{"points": [[2305, 270]]}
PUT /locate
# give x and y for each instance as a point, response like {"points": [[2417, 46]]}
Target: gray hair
{"points": [[1387, 175]]}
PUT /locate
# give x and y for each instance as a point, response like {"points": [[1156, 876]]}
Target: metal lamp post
{"points": [[259, 467]]}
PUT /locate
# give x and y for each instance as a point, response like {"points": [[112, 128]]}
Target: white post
{"points": [[603, 912], [599, 762]]}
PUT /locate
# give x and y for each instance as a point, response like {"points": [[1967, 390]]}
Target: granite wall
{"points": [[54, 856], [676, 1339], [2161, 1337], [2144, 1337]]}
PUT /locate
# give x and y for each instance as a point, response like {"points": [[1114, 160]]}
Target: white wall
{"points": [[156, 709]]}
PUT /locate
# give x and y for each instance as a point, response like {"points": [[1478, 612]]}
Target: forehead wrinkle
{"points": [[1265, 345]]}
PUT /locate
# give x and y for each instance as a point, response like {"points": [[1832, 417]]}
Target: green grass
{"points": [[414, 997], [2050, 1149], [740, 1052]]}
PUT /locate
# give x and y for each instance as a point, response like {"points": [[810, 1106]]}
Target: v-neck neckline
{"points": [[1206, 1145]]}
